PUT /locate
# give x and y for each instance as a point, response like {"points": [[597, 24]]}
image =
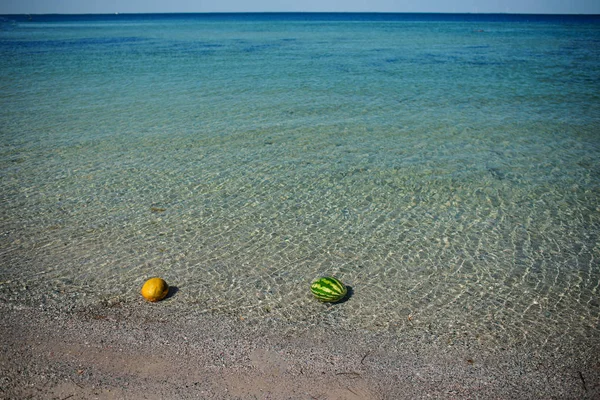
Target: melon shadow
{"points": [[172, 291], [349, 293]]}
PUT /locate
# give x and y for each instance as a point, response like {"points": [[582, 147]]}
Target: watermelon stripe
{"points": [[329, 285], [330, 282], [327, 295], [327, 289]]}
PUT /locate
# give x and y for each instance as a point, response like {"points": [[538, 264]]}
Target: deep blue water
{"points": [[444, 166], [315, 17]]}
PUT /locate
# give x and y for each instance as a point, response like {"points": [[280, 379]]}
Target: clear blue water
{"points": [[444, 166]]}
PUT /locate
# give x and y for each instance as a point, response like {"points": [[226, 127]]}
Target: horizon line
{"points": [[311, 12]]}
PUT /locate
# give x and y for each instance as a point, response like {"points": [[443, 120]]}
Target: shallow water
{"points": [[445, 168]]}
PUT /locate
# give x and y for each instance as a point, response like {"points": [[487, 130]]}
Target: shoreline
{"points": [[136, 350]]}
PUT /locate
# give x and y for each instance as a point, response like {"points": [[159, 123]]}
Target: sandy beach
{"points": [[137, 350]]}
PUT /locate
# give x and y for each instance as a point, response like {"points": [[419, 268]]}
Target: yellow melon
{"points": [[155, 289]]}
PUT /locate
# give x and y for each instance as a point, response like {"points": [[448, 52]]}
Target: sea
{"points": [[445, 167]]}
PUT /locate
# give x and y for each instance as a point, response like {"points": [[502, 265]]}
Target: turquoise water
{"points": [[445, 167]]}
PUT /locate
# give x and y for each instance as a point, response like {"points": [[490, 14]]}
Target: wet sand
{"points": [[137, 350]]}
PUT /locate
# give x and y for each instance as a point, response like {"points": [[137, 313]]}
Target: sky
{"points": [[158, 6]]}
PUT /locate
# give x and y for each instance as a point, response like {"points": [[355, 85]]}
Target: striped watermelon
{"points": [[328, 289]]}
